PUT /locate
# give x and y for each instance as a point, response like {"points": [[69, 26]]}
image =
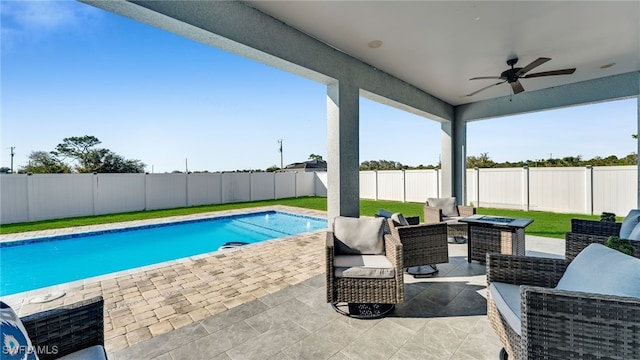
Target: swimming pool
{"points": [[35, 263]]}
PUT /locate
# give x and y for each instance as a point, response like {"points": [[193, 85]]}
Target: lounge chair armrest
{"points": [[432, 214], [393, 251], [465, 211], [593, 323], [67, 329], [525, 270], [329, 265], [593, 227]]}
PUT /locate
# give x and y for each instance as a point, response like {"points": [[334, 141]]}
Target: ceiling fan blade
{"points": [[517, 87], [550, 73], [534, 64], [485, 88], [486, 78]]}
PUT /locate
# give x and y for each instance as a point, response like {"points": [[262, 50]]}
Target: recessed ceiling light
{"points": [[375, 44], [605, 66]]}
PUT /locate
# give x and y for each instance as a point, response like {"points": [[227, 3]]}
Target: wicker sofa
{"points": [[560, 309], [75, 331], [585, 232]]}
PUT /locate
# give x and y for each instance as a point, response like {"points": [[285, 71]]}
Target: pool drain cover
{"points": [[48, 297]]}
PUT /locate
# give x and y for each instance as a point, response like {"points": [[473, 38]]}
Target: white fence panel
{"points": [[14, 199], [203, 189], [321, 184], [263, 186], [285, 185], [165, 191], [115, 193], [368, 185], [615, 189], [562, 190], [61, 195], [236, 187], [305, 184], [391, 185], [502, 188], [472, 187], [421, 185]]}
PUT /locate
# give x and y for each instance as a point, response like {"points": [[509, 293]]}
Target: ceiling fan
{"points": [[513, 75]]}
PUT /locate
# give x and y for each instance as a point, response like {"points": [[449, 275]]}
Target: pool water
{"points": [[36, 263]]}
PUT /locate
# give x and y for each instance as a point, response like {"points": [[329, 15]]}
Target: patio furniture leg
{"points": [[422, 271], [363, 311]]}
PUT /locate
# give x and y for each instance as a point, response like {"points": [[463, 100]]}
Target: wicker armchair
{"points": [[560, 324], [422, 244], [585, 232], [342, 289], [455, 229], [67, 329]]}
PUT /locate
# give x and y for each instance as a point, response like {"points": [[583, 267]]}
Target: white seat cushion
{"points": [[95, 352], [507, 300], [601, 270], [452, 219], [363, 266], [447, 205], [359, 236]]}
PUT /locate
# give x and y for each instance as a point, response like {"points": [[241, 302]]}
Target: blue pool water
{"points": [[36, 263]]}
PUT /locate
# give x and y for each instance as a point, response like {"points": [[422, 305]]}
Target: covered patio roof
{"points": [[419, 57]]}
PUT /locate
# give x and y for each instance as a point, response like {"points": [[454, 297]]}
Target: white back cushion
{"points": [[630, 222], [359, 236], [601, 270], [447, 205]]}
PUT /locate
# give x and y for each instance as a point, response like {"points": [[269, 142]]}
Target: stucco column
{"points": [[343, 132], [453, 159]]}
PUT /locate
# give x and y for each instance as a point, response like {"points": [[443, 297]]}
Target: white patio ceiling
{"points": [[438, 46]]}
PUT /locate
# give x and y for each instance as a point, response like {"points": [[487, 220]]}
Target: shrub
{"points": [[622, 245], [609, 217]]}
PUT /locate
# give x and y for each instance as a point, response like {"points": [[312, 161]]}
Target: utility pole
{"points": [[12, 153], [281, 162]]}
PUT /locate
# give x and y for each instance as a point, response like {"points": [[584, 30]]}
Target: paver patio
{"points": [[267, 300]]}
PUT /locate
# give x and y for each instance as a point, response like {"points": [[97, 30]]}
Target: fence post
{"points": [[589, 189], [404, 186], [477, 186], [525, 188], [94, 189], [437, 183], [30, 198], [376, 183]]}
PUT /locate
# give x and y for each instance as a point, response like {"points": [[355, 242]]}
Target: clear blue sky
{"points": [[69, 69]]}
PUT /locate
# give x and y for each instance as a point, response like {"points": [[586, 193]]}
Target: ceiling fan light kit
{"points": [[513, 75]]}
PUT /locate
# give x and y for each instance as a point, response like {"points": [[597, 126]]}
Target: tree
{"points": [[382, 165], [90, 159], [42, 162], [273, 168], [5, 170], [482, 161], [315, 157]]}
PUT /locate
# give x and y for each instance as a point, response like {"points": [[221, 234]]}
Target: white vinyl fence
{"points": [[50, 196], [566, 190]]}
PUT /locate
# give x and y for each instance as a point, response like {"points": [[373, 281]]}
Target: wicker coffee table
{"points": [[491, 234]]}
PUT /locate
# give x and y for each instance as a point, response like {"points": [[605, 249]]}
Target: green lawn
{"points": [[545, 224]]}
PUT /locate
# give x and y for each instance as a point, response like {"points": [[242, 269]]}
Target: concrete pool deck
{"points": [[267, 300]]}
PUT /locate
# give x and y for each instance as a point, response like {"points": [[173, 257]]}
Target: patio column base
{"points": [[363, 311]]}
